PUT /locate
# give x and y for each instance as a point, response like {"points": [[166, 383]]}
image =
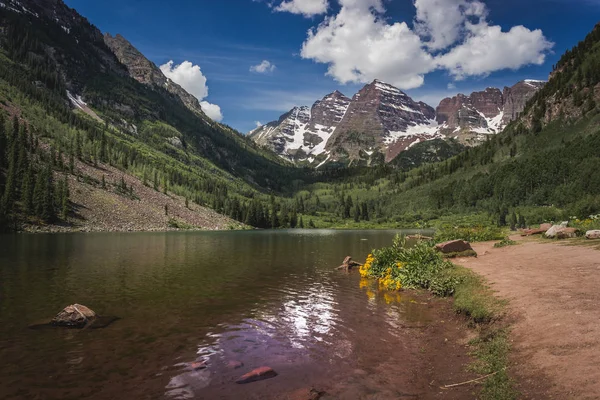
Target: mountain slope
{"points": [[470, 118], [302, 133], [145, 71], [380, 122], [71, 94]]}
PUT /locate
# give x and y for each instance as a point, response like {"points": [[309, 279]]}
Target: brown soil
{"points": [[554, 300]]}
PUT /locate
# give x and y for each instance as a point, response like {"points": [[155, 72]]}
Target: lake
{"points": [[257, 297]]}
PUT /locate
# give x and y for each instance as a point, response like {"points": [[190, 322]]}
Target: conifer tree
{"points": [[65, 195], [294, 218], [27, 191], [48, 212]]}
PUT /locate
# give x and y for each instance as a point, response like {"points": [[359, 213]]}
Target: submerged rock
{"points": [[74, 316], [595, 234], [257, 375], [235, 364]]}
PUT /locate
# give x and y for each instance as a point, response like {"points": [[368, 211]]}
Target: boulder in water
{"points": [[74, 316]]}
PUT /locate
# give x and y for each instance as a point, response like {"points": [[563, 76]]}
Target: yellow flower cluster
{"points": [[387, 282], [366, 267]]}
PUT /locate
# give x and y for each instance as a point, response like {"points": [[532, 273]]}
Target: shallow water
{"points": [[259, 297]]}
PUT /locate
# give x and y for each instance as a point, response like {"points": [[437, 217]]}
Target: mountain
{"points": [[91, 112], [379, 118], [470, 118], [303, 132], [146, 72], [381, 121]]}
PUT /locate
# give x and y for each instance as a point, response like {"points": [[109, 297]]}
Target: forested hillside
{"points": [[544, 166], [83, 143], [49, 65]]}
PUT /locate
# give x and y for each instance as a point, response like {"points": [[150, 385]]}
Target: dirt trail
{"points": [[554, 297]]}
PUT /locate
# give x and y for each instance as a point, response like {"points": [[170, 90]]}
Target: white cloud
{"points": [[190, 77], [451, 86], [258, 124], [307, 8], [358, 44], [264, 67], [441, 22], [212, 110], [488, 49]]}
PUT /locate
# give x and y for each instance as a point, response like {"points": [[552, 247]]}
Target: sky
{"points": [[249, 61]]}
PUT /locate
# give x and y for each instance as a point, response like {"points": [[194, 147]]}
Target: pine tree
{"points": [[3, 144], [522, 223], [48, 212], [27, 191], [301, 223], [155, 180], [71, 162], [38, 194], [187, 202], [8, 198], [513, 221], [65, 199], [294, 218], [103, 182], [274, 219], [365, 212]]}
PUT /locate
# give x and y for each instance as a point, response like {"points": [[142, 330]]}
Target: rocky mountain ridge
{"points": [[146, 72], [381, 121]]}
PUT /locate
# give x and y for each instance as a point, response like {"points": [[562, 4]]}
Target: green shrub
{"points": [[415, 267], [470, 234]]}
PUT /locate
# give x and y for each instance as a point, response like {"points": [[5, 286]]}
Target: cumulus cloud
{"points": [[308, 8], [258, 124], [191, 78], [264, 67], [441, 22], [488, 49], [212, 110], [359, 44]]}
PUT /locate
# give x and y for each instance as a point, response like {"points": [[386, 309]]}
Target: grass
{"points": [[504, 243], [474, 299]]}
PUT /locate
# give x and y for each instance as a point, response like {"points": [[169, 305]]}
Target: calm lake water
{"points": [[259, 297]]}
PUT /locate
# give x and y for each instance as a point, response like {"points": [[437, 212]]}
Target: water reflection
{"points": [[264, 297]]}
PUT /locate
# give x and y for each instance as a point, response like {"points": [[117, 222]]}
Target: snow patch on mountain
{"points": [[430, 128]]}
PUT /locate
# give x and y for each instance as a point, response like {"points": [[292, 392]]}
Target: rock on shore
{"points": [[594, 234]]}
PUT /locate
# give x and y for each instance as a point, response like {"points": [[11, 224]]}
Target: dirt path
{"points": [[554, 295]]}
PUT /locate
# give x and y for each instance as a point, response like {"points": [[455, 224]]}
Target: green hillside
{"points": [[54, 150]]}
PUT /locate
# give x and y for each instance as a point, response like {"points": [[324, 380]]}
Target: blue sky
{"points": [[451, 46]]}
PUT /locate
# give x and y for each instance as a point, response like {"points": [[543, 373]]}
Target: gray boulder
{"points": [[74, 316], [594, 234]]}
